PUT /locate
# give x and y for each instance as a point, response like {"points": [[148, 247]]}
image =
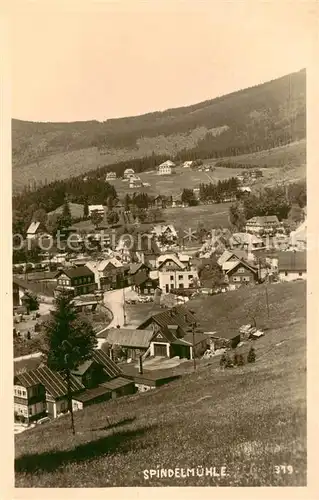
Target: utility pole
{"points": [[123, 288], [267, 300], [194, 359]]}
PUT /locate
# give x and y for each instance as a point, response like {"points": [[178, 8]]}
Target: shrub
{"points": [[222, 361], [229, 363], [251, 358], [241, 360]]}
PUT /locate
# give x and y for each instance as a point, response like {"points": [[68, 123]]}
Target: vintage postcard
{"points": [[159, 245]]}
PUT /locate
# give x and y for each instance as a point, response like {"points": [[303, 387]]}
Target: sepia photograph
{"points": [[159, 243]]}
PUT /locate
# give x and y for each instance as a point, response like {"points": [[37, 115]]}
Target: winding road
{"points": [[114, 300]]}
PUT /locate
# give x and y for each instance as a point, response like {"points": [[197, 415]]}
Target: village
{"points": [[138, 289]]}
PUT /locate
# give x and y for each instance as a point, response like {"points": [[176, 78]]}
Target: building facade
{"points": [[78, 280]]}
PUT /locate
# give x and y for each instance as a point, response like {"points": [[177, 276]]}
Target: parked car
{"points": [[130, 301]]}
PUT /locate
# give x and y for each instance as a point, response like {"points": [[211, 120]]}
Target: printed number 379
{"points": [[284, 469]]}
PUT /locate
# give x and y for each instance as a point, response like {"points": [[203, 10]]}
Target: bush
{"points": [[222, 361], [251, 358], [241, 361], [229, 363]]}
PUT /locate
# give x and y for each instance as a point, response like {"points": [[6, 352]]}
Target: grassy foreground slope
{"points": [[249, 419]]}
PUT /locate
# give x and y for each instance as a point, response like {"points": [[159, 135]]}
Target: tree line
{"points": [[278, 200], [217, 192]]}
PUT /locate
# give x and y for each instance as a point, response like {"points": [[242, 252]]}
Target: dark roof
{"points": [[77, 272], [292, 261], [26, 285], [90, 394], [243, 263], [140, 278], [42, 275], [53, 381], [133, 268], [178, 315], [227, 335], [127, 337], [116, 383], [110, 368], [83, 367], [150, 375], [198, 338]]}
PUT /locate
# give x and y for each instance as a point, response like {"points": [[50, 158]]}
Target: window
{"points": [[190, 276], [30, 410], [236, 278], [286, 273], [246, 278], [172, 277], [172, 286], [80, 281], [180, 277], [145, 291], [151, 290], [241, 270], [181, 285], [300, 274]]}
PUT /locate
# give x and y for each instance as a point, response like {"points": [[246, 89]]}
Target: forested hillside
{"points": [[250, 120]]}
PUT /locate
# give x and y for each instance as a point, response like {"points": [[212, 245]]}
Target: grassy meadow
{"points": [[249, 419]]}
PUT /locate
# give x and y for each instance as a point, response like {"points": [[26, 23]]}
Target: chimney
{"points": [[140, 370]]}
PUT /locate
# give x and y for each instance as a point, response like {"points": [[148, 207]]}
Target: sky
{"points": [[94, 60]]}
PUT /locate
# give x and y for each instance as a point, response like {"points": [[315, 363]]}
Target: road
{"points": [[113, 300]]}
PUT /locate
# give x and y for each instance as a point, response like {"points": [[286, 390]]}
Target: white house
{"points": [[292, 266], [244, 189], [128, 173], [110, 176], [166, 168], [135, 182], [188, 164], [262, 223], [177, 279], [96, 209]]}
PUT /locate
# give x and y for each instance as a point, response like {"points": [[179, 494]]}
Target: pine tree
{"points": [[86, 209], [69, 340]]}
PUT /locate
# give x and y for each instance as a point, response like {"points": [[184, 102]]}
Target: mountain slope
{"points": [[249, 120]]}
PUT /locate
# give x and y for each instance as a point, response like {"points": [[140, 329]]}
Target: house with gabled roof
{"points": [[78, 280], [265, 223], [241, 273], [135, 342], [43, 391], [144, 284], [173, 335], [245, 241], [292, 265]]}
